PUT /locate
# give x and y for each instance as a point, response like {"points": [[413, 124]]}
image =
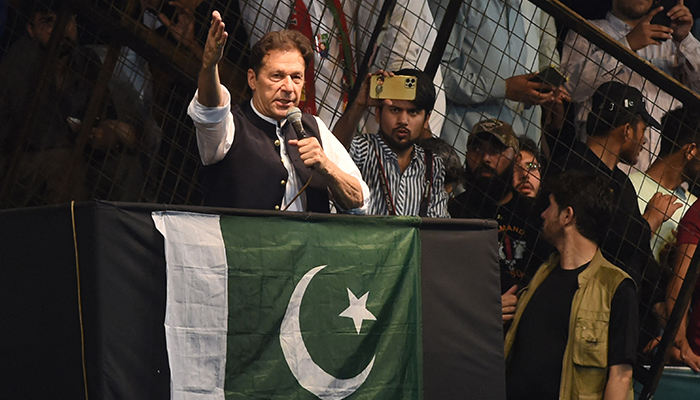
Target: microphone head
{"points": [[294, 114]]}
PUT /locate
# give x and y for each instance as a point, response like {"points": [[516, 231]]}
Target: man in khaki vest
{"points": [[574, 334]]}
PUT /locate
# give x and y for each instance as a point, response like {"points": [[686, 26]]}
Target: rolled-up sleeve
{"points": [[215, 128]]}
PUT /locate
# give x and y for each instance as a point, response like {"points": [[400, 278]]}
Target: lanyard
{"points": [[385, 184], [386, 192]]}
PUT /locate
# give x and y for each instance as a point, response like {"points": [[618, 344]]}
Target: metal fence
{"points": [[102, 114]]}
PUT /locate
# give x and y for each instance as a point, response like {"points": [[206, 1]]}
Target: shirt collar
{"points": [[416, 154], [617, 24]]}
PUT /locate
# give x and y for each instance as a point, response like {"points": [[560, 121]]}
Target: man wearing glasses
{"points": [[527, 174]]}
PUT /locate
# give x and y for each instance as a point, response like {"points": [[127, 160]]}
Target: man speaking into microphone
{"points": [[254, 158]]}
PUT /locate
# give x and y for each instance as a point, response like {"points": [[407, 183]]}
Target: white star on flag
{"points": [[357, 310]]}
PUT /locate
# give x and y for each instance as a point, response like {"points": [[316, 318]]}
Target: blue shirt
{"points": [[485, 48]]}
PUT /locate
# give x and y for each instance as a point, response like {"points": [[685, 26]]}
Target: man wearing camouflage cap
{"points": [[491, 150]]}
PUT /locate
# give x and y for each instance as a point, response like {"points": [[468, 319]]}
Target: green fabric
{"points": [[677, 383], [267, 258]]}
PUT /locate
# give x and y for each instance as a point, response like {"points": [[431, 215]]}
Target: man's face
{"points": [[401, 124], [526, 174], [552, 227], [629, 153], [41, 26], [487, 158], [490, 167], [277, 87], [632, 9]]}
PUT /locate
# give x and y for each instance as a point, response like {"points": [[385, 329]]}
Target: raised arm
{"points": [[208, 82], [346, 126]]}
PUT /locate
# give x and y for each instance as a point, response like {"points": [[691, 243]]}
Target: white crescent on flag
{"points": [[309, 375]]}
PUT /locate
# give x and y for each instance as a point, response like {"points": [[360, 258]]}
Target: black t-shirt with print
{"points": [[520, 249]]}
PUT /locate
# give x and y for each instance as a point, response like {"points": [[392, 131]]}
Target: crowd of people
{"points": [[581, 242], [588, 228]]}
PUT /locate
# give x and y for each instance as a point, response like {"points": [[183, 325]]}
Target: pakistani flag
{"points": [[275, 308]]}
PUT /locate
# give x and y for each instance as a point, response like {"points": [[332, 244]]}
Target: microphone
{"points": [[294, 118]]}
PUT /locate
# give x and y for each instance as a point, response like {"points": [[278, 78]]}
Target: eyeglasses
{"points": [[530, 166]]}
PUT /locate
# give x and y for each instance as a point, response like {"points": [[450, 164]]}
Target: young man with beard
{"points": [[403, 178], [574, 335], [491, 150], [677, 164]]}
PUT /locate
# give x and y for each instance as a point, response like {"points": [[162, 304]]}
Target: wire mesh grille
{"points": [[94, 94]]}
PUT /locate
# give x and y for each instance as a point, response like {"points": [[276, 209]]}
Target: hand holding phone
{"points": [[551, 76]]}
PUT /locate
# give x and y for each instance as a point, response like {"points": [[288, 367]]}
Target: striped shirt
{"points": [[406, 188]]}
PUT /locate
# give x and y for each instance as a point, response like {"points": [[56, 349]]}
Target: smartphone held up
{"points": [[397, 87]]}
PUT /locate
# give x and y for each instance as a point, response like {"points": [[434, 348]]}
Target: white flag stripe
{"points": [[196, 311]]}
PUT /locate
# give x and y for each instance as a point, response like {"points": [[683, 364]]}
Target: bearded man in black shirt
{"points": [[574, 334], [491, 150]]}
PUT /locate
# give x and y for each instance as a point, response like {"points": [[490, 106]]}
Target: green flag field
{"points": [[331, 312]]}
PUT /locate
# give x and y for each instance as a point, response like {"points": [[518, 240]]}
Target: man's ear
{"points": [[690, 150], [251, 78], [567, 215], [628, 132], [426, 125], [30, 29], [378, 114]]}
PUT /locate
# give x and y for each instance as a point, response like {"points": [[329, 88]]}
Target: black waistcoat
{"points": [[252, 175]]}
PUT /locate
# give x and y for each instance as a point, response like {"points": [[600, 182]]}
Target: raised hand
{"points": [[216, 40], [660, 208], [681, 21], [363, 98]]}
